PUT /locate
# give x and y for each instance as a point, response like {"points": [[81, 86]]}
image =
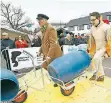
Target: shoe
{"points": [[101, 79], [93, 77], [55, 85]]}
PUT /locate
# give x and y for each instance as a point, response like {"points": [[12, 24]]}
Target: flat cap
{"points": [[40, 16]]}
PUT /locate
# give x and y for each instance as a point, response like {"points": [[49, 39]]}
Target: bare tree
{"points": [[13, 16]]}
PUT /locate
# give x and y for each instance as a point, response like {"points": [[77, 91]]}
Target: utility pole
{"points": [[60, 23]]}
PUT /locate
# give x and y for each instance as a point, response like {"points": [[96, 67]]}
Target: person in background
{"points": [[68, 40], [16, 38], [98, 34], [76, 41], [79, 35], [21, 43], [36, 42], [6, 43], [86, 38], [61, 41], [82, 39], [73, 38]]}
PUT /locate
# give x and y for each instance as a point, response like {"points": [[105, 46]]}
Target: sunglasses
{"points": [[93, 20]]}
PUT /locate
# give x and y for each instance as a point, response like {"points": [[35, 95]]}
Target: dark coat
{"points": [[61, 41], [67, 42], [36, 42], [7, 43]]}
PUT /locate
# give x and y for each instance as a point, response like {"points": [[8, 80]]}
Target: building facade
{"points": [[82, 25], [58, 25], [14, 33]]}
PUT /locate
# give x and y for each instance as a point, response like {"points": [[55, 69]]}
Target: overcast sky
{"points": [[61, 10]]}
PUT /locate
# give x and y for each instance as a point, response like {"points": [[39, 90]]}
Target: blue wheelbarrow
{"points": [[68, 68]]}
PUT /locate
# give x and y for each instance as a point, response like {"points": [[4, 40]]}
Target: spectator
{"points": [[7, 43], [36, 42], [16, 38], [61, 39], [76, 41], [73, 38], [68, 40], [82, 39], [21, 43]]}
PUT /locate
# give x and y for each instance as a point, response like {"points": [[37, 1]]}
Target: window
{"points": [[71, 28], [81, 27], [78, 28], [109, 17]]}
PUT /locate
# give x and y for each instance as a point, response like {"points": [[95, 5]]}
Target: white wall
{"points": [[76, 31]]}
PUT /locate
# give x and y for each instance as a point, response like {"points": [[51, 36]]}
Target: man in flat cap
{"points": [[50, 47]]}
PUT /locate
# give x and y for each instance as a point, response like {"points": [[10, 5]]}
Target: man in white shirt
{"points": [[98, 34]]}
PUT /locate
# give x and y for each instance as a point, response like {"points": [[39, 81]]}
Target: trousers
{"points": [[97, 62]]}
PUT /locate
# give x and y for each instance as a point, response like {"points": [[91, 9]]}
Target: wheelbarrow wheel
{"points": [[67, 92], [21, 97]]}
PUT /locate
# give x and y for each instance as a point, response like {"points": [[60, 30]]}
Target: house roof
{"points": [[16, 31], [10, 29], [84, 20], [58, 23]]}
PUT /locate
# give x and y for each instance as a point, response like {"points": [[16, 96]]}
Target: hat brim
{"points": [[38, 18]]}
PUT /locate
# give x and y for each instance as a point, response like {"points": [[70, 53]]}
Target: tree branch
{"points": [[13, 16]]}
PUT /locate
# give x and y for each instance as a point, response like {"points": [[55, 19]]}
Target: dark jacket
{"points": [[67, 42], [36, 42], [7, 43], [62, 41], [82, 41]]}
